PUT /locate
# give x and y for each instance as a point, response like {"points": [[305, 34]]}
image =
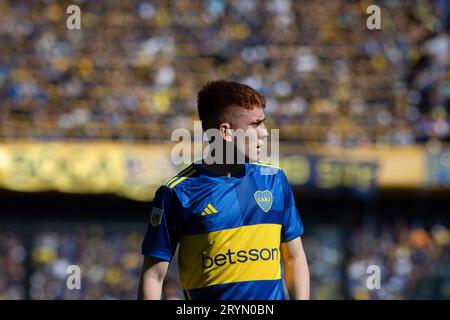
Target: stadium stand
{"points": [[132, 71]]}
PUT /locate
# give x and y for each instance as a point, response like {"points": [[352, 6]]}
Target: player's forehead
{"points": [[254, 114]]}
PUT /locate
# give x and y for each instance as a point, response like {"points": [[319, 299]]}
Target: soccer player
{"points": [[234, 223]]}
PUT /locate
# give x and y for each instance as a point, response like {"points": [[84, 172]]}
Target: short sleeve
{"points": [[162, 234], [292, 224]]}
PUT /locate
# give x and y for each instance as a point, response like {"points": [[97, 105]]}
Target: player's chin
{"points": [[253, 157]]}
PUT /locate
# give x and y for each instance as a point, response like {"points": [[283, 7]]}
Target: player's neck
{"points": [[227, 170]]}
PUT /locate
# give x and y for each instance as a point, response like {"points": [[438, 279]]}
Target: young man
{"points": [[233, 222]]}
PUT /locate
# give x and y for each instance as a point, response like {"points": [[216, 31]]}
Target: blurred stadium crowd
{"points": [[109, 262], [414, 262], [132, 71]]}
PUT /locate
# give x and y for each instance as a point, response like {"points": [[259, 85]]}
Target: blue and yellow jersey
{"points": [[229, 231]]}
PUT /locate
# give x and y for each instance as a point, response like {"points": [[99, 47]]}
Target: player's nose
{"points": [[262, 132]]}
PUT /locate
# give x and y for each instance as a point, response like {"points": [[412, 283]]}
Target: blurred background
{"points": [[86, 117]]}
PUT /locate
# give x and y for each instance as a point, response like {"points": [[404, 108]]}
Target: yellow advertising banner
{"points": [[399, 166], [133, 171], [136, 171]]}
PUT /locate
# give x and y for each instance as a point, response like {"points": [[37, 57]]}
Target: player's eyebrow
{"points": [[259, 120]]}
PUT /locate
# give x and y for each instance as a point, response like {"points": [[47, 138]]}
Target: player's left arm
{"points": [[296, 269], [294, 259]]}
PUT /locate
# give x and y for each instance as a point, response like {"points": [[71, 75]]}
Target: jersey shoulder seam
{"points": [[188, 172]]}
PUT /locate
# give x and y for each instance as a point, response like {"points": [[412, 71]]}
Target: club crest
{"points": [[264, 199]]}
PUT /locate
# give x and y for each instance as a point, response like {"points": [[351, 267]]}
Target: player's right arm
{"points": [[159, 243], [152, 278]]}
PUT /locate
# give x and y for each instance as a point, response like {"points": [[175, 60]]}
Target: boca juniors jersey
{"points": [[229, 231]]}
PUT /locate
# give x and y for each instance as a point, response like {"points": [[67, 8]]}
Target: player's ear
{"points": [[226, 131]]}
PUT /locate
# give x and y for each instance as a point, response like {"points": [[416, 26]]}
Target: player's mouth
{"points": [[258, 148]]}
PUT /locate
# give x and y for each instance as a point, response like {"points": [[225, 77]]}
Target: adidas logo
{"points": [[209, 210]]}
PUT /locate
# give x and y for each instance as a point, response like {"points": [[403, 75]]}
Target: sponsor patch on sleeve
{"points": [[156, 217]]}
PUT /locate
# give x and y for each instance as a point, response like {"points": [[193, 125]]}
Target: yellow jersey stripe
{"points": [[208, 211], [185, 176], [266, 165], [182, 174], [211, 208], [245, 253], [169, 181]]}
